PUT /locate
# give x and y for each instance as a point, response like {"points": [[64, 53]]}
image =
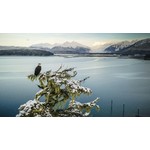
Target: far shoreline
{"points": [[117, 55]]}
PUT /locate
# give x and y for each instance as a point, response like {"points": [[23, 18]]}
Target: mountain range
{"points": [[63, 48], [72, 44], [119, 46], [130, 47], [123, 47], [58, 48]]}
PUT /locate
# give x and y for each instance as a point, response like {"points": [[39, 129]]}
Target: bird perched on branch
{"points": [[37, 70]]}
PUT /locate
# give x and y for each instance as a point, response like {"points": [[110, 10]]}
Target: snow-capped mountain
{"points": [[63, 48], [140, 47], [119, 46], [69, 50], [144, 42], [72, 44]]}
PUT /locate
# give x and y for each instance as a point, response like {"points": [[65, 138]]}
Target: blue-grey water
{"points": [[123, 81]]}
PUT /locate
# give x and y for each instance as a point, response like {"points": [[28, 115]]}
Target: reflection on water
{"points": [[123, 81]]}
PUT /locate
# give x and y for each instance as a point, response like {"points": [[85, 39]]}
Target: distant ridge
{"points": [[72, 44], [140, 47], [131, 48], [64, 48], [24, 52], [119, 46], [124, 47]]}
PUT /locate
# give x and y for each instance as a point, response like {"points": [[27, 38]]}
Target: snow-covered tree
{"points": [[59, 90]]}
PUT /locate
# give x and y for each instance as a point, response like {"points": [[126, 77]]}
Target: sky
{"points": [[88, 39]]}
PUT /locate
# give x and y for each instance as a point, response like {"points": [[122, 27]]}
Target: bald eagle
{"points": [[37, 70]]}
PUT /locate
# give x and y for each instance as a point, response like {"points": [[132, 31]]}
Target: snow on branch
{"points": [[59, 90]]}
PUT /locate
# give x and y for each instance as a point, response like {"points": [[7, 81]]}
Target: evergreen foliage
{"points": [[59, 90]]}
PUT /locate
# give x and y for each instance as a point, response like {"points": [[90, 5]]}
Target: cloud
{"points": [[98, 43], [99, 46]]}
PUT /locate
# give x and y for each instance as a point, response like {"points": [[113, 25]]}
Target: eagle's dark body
{"points": [[37, 70]]}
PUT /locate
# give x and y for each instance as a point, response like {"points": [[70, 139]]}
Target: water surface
{"points": [[123, 81]]}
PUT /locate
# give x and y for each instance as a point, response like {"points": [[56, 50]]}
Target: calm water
{"points": [[125, 81]]}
